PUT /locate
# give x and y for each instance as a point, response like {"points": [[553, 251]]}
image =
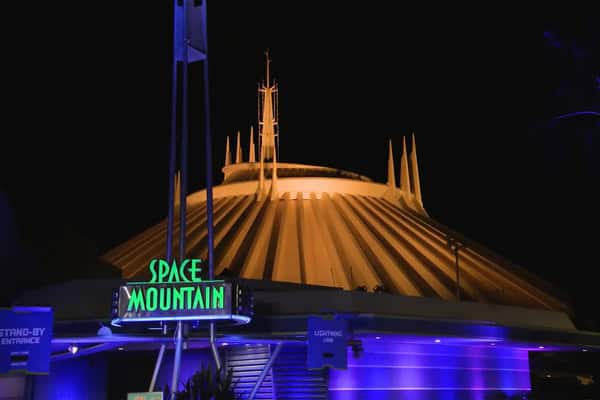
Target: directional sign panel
{"points": [[327, 343], [25, 335]]}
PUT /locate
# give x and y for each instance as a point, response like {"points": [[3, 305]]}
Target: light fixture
{"points": [[73, 349], [377, 337], [224, 344], [584, 349], [540, 347], [120, 349], [548, 376], [104, 331], [493, 343], [437, 340]]}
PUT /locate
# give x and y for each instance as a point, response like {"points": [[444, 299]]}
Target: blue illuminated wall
{"points": [[73, 379], [437, 371], [383, 370]]}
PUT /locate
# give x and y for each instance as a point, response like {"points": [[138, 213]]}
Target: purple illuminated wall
{"points": [[390, 371]]}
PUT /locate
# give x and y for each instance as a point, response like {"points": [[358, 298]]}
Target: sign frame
{"points": [[177, 293]]}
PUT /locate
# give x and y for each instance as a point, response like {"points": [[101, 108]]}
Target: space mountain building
{"points": [[430, 314]]}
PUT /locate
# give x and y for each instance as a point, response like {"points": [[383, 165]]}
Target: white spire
{"points": [[252, 155], [227, 153], [391, 180], [238, 149], [415, 171], [404, 179]]}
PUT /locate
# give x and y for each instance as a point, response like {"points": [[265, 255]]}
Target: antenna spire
{"points": [[268, 83], [268, 130], [268, 124]]}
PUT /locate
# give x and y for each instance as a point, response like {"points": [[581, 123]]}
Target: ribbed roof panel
{"points": [[344, 240]]}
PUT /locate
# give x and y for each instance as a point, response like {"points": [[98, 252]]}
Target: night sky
{"points": [[481, 87]]}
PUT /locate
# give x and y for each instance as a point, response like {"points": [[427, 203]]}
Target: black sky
{"points": [[479, 85]]}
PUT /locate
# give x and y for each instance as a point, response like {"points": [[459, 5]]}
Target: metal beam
{"points": [[161, 353], [265, 371], [213, 347], [177, 360], [209, 183], [83, 351]]}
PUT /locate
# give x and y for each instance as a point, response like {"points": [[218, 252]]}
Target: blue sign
{"points": [[327, 343], [25, 335]]}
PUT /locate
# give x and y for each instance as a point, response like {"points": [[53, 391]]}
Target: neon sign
{"points": [[177, 292]]}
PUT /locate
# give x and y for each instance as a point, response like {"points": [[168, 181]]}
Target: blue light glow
{"points": [[577, 113], [418, 371], [73, 379], [31, 309], [236, 318]]}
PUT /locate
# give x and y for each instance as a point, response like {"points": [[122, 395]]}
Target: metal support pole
{"points": [[172, 151], [209, 186], [161, 353], [209, 166], [184, 142], [177, 360], [172, 194], [265, 371], [213, 346]]}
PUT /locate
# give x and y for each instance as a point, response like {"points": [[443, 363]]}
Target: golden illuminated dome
{"points": [[323, 226]]}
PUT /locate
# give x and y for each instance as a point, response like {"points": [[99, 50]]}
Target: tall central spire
{"points": [[268, 118]]}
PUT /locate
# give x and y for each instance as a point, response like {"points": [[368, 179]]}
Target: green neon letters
{"points": [[136, 301], [174, 288], [165, 273], [172, 298]]}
